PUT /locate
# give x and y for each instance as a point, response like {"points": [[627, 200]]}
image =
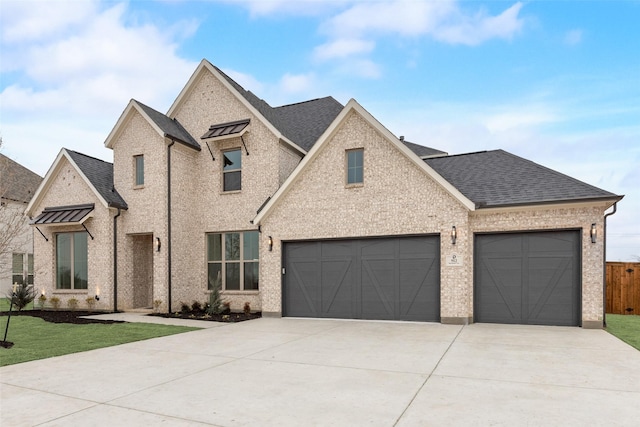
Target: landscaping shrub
{"points": [[23, 296]]}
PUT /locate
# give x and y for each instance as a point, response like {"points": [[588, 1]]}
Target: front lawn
{"points": [[625, 327], [35, 339]]}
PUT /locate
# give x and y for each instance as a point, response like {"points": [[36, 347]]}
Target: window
{"points": [[20, 271], [139, 170], [355, 166], [232, 258], [232, 170], [71, 260]]}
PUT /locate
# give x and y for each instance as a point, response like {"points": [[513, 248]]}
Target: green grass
{"points": [[625, 327], [4, 306], [36, 339]]}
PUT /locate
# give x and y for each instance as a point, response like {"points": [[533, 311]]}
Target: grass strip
{"points": [[36, 339], [625, 327]]}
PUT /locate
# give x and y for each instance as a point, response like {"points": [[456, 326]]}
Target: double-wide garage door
{"points": [[528, 278], [383, 278]]}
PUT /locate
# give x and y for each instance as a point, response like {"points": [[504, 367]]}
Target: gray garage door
{"points": [[386, 278], [528, 278]]}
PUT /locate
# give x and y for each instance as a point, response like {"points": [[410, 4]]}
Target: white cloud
{"points": [[573, 37], [476, 29], [342, 48], [247, 81], [297, 83]]}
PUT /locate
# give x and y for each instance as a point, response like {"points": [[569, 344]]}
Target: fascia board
{"points": [[124, 117], [207, 66], [353, 105], [598, 203]]}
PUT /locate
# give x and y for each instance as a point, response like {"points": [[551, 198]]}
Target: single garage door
{"points": [[528, 278], [383, 278]]}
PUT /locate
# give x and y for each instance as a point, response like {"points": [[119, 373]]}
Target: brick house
{"points": [[315, 209]]}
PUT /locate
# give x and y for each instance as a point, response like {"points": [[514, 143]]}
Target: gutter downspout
{"points": [[604, 269], [115, 261], [169, 224]]}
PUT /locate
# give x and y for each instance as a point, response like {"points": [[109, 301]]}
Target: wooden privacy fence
{"points": [[623, 287]]}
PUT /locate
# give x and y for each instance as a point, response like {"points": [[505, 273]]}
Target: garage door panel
{"points": [[386, 278], [335, 289], [378, 288], [307, 275], [538, 285]]}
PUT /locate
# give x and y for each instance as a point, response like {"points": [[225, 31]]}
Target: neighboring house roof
{"points": [[353, 106], [162, 124], [500, 179], [97, 174], [18, 183], [422, 151], [100, 175]]}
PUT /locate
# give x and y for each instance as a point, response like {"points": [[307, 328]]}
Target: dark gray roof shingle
{"points": [[171, 127], [421, 150], [100, 174], [17, 183], [499, 179], [302, 123]]}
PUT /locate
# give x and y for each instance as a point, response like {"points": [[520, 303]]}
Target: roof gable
{"points": [[18, 183], [299, 125], [163, 125], [352, 105], [97, 175], [501, 179]]}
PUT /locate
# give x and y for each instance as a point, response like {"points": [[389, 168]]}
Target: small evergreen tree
{"points": [[215, 303], [23, 296]]}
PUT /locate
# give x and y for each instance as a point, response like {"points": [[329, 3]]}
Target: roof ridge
{"points": [[304, 102], [88, 156], [461, 154]]}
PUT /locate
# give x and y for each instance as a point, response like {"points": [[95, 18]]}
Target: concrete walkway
{"points": [[295, 372]]}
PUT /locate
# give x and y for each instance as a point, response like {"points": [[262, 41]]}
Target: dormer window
{"points": [[138, 165], [232, 170]]}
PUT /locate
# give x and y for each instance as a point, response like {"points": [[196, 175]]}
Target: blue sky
{"points": [[557, 82]]}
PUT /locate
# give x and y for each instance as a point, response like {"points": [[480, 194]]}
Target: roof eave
{"points": [[607, 201]]}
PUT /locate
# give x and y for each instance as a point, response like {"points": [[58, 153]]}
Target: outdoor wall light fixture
{"points": [[158, 244], [97, 297], [594, 233], [270, 243], [454, 235]]}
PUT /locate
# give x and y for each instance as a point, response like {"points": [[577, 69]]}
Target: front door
{"points": [[143, 271]]}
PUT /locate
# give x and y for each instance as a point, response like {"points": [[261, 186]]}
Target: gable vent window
{"points": [[355, 163], [139, 170], [232, 170]]}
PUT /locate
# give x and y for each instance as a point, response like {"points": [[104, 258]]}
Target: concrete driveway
{"points": [[281, 372]]}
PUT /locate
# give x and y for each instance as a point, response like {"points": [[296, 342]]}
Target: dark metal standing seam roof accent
{"points": [[63, 215], [225, 129]]}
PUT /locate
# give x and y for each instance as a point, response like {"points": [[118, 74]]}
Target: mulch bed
{"points": [[75, 317], [201, 315], [62, 316]]}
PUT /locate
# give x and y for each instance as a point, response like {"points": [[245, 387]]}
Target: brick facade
{"points": [[397, 197]]}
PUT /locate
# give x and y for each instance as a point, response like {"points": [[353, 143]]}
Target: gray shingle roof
{"points": [[423, 151], [100, 174], [302, 123], [17, 183], [171, 127], [498, 179]]}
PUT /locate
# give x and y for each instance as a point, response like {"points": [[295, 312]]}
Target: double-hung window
{"points": [[232, 170], [71, 260], [355, 164], [138, 166], [232, 260], [22, 273]]}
